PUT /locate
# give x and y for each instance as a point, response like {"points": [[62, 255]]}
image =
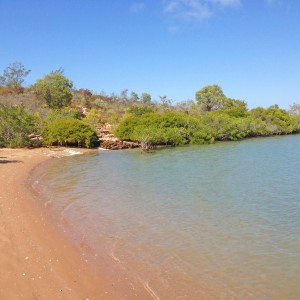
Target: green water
{"points": [[203, 222]]}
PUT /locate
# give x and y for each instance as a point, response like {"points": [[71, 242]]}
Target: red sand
{"points": [[36, 260]]}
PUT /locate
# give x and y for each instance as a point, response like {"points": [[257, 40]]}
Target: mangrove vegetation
{"points": [[52, 112]]}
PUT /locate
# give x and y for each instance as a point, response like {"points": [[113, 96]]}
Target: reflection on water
{"points": [[207, 222]]}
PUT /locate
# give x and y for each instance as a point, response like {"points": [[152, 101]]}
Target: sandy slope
{"points": [[37, 262]]}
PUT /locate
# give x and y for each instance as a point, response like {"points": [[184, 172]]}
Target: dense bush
{"points": [[140, 110], [69, 132], [93, 118], [154, 128], [223, 127], [231, 123], [16, 124], [62, 114], [277, 121]]}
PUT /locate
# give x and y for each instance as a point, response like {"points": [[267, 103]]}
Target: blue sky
{"points": [[163, 47]]}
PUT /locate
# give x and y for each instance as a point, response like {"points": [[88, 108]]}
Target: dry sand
{"points": [[36, 261]]}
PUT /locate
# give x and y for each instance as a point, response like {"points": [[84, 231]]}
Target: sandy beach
{"points": [[36, 261]]}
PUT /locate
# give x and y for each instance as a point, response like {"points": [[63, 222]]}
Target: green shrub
{"points": [[232, 123], [16, 124], [93, 118], [69, 132], [62, 114], [277, 121], [154, 128], [140, 110]]}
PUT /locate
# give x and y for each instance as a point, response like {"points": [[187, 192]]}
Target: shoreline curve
{"points": [[36, 260]]}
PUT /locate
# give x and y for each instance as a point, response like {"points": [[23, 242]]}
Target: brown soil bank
{"points": [[36, 260]]}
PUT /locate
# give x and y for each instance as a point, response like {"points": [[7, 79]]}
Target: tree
{"points": [[294, 109], [54, 89], [146, 98], [123, 94], [165, 103], [134, 96], [13, 76], [210, 97]]}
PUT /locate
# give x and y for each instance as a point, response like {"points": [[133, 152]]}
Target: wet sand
{"points": [[36, 260]]}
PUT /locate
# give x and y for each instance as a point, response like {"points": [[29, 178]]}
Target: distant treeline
{"points": [[52, 112]]}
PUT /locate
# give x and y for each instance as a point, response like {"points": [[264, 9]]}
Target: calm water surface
{"points": [[202, 222]]}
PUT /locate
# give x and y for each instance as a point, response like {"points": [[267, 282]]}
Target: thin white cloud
{"points": [[137, 7], [188, 9], [196, 10]]}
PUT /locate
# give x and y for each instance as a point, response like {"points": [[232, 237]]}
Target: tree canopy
{"points": [[13, 76], [210, 97], [54, 89], [146, 98]]}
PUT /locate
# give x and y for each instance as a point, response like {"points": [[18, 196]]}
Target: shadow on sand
{"points": [[2, 161]]}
